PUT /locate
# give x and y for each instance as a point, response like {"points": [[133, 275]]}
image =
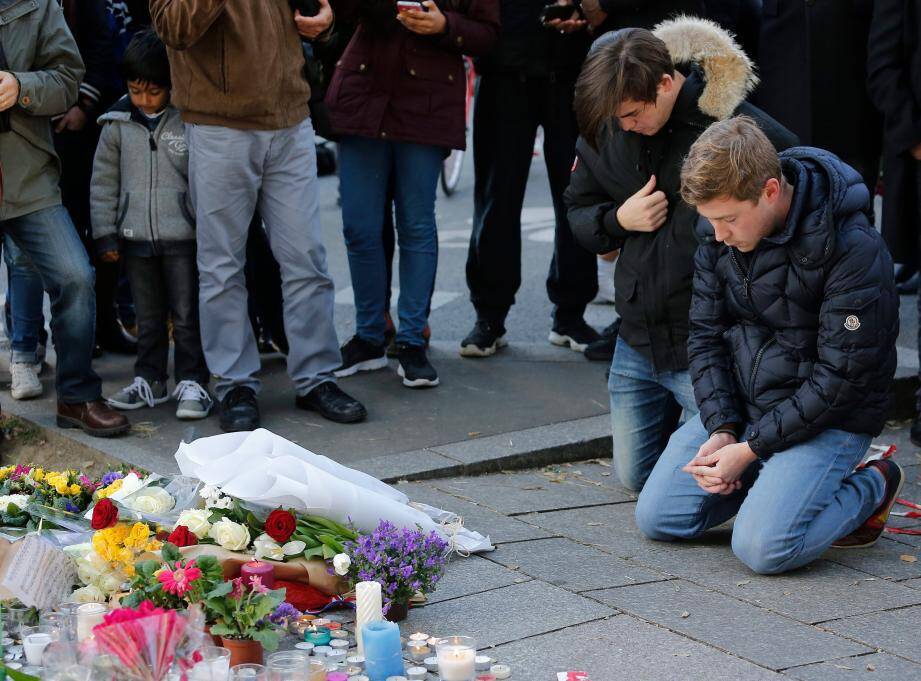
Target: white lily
{"points": [[293, 548], [266, 548]]}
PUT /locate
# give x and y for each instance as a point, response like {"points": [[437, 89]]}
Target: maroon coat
{"points": [[401, 86]]}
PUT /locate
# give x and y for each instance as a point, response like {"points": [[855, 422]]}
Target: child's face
{"points": [[149, 98]]}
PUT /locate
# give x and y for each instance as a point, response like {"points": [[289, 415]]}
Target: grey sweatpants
{"points": [[231, 174]]}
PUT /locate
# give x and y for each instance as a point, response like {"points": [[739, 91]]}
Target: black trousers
{"points": [[165, 287], [507, 111]]}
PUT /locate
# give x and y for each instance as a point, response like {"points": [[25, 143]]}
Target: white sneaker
{"points": [[605, 281], [25, 381], [194, 401]]}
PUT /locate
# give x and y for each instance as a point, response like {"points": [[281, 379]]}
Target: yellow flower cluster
{"points": [[106, 492], [37, 474], [61, 482], [121, 544]]}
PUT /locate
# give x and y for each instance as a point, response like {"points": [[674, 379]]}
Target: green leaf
{"points": [[170, 553], [316, 552], [220, 590], [267, 637], [223, 630]]}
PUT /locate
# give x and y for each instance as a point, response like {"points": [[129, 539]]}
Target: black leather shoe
{"points": [[239, 410], [332, 403]]}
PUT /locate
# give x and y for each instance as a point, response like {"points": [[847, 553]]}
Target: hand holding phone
{"points": [[411, 6]]}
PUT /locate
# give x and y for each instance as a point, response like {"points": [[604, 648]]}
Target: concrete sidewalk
{"points": [[527, 406]]}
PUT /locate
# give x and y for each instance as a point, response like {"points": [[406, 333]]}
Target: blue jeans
{"points": [[789, 510], [25, 320], [365, 166], [48, 238], [645, 409]]}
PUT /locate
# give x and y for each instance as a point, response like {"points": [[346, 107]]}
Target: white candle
{"points": [[368, 608], [88, 616], [34, 645], [456, 663]]}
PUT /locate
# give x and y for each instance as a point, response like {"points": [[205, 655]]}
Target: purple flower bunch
{"points": [[284, 612], [403, 561], [111, 477]]}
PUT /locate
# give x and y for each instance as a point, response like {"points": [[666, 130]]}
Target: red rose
{"points": [[280, 525], [105, 514], [182, 537]]}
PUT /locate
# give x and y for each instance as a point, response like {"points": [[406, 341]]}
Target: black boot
{"points": [[239, 410]]}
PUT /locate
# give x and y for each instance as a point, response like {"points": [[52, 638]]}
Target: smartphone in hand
{"points": [[411, 6], [562, 12]]}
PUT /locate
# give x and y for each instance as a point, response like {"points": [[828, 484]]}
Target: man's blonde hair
{"points": [[732, 158]]}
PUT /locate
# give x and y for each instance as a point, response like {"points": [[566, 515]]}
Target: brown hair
{"points": [[731, 158], [627, 66]]}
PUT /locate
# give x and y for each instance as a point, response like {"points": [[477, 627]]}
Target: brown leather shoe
{"points": [[95, 418]]}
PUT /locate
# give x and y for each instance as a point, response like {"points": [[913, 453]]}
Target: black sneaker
{"points": [[332, 403], [602, 350], [484, 340], [393, 349], [360, 355], [239, 410], [415, 369], [577, 336], [867, 534]]}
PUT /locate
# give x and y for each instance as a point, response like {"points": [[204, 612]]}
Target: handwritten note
{"points": [[40, 574]]}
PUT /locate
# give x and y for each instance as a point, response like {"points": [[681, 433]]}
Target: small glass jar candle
{"points": [[418, 650], [456, 658], [319, 636]]}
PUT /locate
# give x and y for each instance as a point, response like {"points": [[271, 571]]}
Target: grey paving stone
{"points": [[882, 560], [624, 649], [895, 631], [500, 528], [882, 666], [564, 432], [913, 583], [466, 576], [528, 491], [572, 566], [811, 594], [396, 466], [750, 632], [907, 539], [507, 614], [596, 473]]}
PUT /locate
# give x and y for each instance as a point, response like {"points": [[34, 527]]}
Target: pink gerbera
{"points": [[179, 581]]}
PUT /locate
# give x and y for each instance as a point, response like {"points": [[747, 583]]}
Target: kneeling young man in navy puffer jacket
{"points": [[793, 324]]}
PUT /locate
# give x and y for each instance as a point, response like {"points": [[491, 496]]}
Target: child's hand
{"points": [[109, 256]]}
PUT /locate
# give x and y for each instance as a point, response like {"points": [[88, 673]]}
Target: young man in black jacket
{"points": [[662, 88], [794, 319]]}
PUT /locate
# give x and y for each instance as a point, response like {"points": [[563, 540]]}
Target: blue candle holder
{"points": [[319, 636], [383, 650]]}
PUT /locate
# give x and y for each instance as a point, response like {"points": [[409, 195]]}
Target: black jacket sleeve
{"points": [[591, 212], [97, 47], [888, 79], [709, 357], [858, 324]]}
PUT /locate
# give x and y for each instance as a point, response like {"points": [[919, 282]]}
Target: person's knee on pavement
{"points": [[761, 552], [649, 517]]}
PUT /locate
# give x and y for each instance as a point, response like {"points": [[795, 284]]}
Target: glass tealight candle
{"points": [[319, 636], [248, 672], [35, 640], [456, 658]]}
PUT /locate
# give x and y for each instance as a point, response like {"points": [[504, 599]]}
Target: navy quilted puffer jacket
{"points": [[799, 337]]}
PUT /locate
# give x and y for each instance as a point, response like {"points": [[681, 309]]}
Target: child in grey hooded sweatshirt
{"points": [[140, 211]]}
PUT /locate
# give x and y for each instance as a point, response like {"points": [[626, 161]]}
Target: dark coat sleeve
{"points": [[888, 78], [97, 47], [859, 291], [591, 212], [473, 32], [709, 357]]}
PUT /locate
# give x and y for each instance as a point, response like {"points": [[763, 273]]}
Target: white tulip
{"points": [[267, 548], [342, 563], [293, 548]]}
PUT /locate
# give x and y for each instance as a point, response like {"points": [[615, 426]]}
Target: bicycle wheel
{"points": [[451, 171]]}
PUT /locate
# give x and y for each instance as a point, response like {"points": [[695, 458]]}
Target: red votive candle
{"points": [[255, 568]]}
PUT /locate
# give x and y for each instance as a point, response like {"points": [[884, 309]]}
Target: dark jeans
{"points": [[507, 111], [166, 287], [25, 296], [48, 238]]}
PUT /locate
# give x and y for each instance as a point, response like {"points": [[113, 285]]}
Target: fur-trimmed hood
{"points": [[728, 72]]}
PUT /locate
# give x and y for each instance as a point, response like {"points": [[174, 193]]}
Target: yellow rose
{"points": [[106, 492], [74, 490], [61, 487], [137, 539], [38, 474]]}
